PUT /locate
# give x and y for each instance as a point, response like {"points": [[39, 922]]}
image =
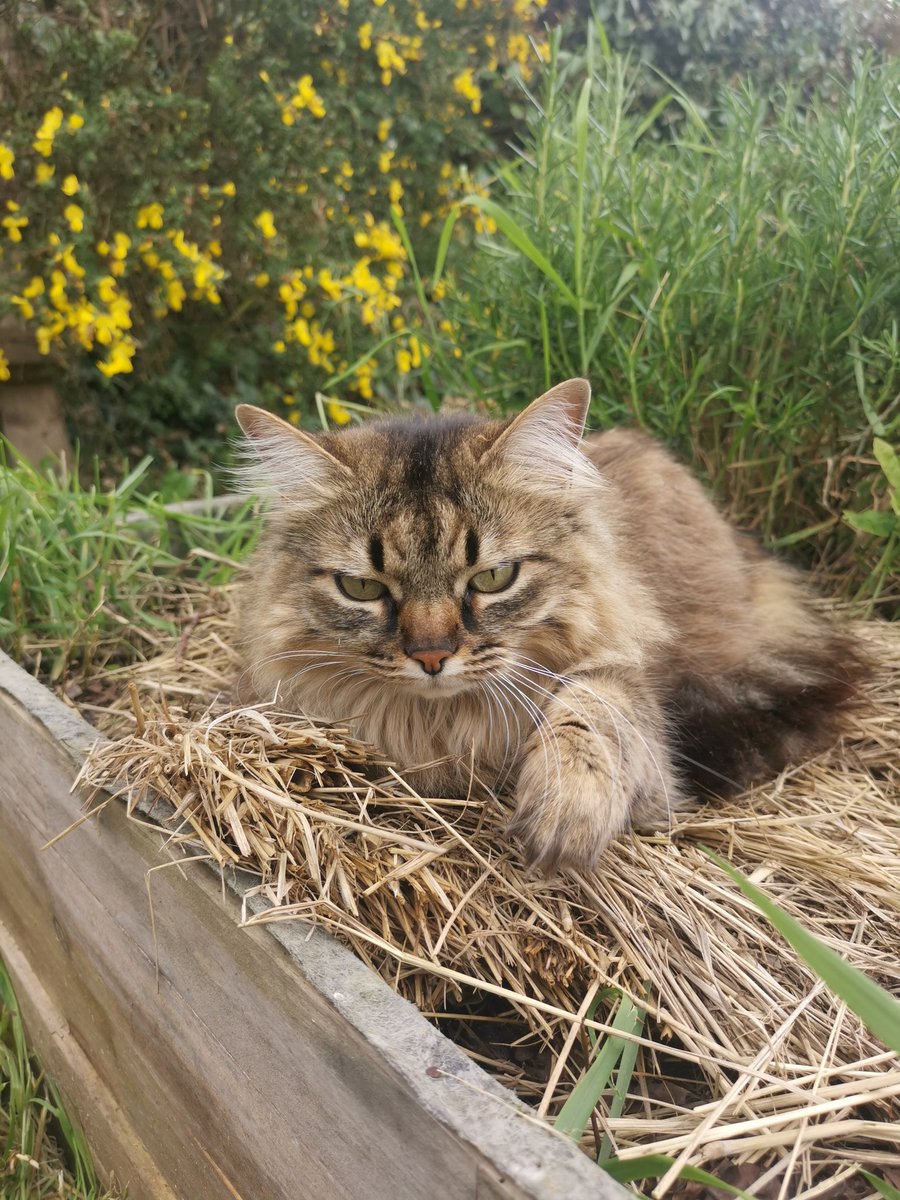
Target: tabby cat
{"points": [[504, 601]]}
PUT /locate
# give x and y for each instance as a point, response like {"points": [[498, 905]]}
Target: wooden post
{"points": [[31, 414]]}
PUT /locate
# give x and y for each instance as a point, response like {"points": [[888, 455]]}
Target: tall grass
{"points": [[88, 573], [733, 289], [42, 1154]]}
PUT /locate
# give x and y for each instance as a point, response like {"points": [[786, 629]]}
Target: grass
{"points": [[43, 1155], [877, 1009], [731, 287], [89, 574]]}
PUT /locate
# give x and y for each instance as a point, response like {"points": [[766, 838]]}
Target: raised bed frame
{"points": [[210, 1062]]}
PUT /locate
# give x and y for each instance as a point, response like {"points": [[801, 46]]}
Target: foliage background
{"points": [[377, 202]]}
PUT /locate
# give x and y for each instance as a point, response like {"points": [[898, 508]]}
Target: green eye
{"points": [[494, 580], [360, 589]]}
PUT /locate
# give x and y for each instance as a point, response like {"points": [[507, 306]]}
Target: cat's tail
{"points": [[781, 706]]}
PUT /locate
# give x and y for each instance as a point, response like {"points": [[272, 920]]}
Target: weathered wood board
{"points": [[217, 1062]]}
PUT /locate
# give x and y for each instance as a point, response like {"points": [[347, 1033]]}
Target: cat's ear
{"points": [[279, 460], [543, 440]]}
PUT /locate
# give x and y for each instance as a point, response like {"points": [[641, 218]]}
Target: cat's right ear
{"points": [[275, 459]]}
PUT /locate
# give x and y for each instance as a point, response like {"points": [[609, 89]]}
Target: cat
{"points": [[500, 599]]}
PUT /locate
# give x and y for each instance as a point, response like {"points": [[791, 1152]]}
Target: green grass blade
{"points": [[520, 239], [881, 1186], [444, 245], [871, 1003], [576, 1112], [654, 1166]]}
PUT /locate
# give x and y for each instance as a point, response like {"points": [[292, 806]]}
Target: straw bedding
{"points": [[746, 1063]]}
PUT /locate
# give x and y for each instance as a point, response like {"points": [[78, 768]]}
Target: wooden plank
{"points": [[221, 1062]]}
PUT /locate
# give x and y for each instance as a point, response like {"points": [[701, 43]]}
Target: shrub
{"points": [[701, 46], [192, 208]]}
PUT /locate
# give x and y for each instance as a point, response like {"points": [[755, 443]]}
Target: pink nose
{"points": [[431, 658]]}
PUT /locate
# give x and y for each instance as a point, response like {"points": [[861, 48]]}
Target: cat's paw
{"points": [[574, 795]]}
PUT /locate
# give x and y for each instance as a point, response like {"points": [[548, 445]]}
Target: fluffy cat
{"points": [[571, 617]]}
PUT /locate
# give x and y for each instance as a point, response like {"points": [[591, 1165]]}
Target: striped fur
{"points": [[643, 648]]}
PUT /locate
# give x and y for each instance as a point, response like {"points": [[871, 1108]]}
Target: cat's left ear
{"points": [[543, 439]]}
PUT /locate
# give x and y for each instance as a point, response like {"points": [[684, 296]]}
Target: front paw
{"points": [[572, 799]]}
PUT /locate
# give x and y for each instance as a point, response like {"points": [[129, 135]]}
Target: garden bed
{"points": [[745, 1062], [204, 1060]]}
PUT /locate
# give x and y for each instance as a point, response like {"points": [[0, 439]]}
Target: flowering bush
{"points": [[190, 210]]}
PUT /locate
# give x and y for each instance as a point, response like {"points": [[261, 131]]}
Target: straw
{"points": [[745, 1057]]}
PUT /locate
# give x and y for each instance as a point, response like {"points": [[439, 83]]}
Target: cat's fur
{"points": [[644, 647]]}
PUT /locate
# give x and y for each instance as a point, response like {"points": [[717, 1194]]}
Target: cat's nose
{"points": [[431, 657]]}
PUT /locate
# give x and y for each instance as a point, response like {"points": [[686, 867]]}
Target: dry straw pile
{"points": [[745, 1058]]}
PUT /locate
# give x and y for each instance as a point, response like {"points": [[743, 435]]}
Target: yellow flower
{"points": [[118, 361], [265, 223], [107, 289], [395, 191], [384, 128], [307, 97], [43, 140], [121, 245], [75, 122], [389, 60], [264, 76], [175, 294], [70, 185], [329, 286], [228, 189], [466, 86], [4, 368], [261, 280], [337, 413], [365, 36], [14, 226], [44, 172], [150, 216], [70, 263], [25, 307], [7, 158]]}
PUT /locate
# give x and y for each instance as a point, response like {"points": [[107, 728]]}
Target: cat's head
{"points": [[420, 553]]}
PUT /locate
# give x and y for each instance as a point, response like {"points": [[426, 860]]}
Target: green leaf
{"points": [[871, 1003], [520, 239], [888, 461], [444, 245], [882, 524], [654, 1166], [881, 1186], [576, 1112]]}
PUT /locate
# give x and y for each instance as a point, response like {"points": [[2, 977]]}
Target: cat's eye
{"points": [[496, 579], [357, 588]]}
